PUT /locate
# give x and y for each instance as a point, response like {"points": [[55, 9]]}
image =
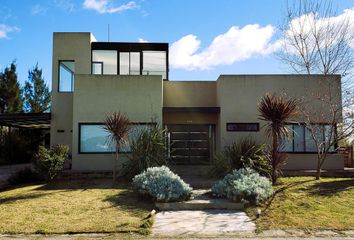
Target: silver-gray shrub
{"points": [[162, 185], [243, 184]]}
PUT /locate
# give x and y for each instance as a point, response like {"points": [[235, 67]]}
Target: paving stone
{"points": [[208, 222]]}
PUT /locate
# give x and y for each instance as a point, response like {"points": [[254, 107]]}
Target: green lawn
{"points": [[73, 206], [303, 203]]}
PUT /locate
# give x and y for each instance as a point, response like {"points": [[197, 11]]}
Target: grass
{"points": [[303, 203], [73, 206]]}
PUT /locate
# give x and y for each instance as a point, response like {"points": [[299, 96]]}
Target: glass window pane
{"points": [[109, 59], [287, 144], [135, 63], [133, 134], [66, 76], [310, 143], [124, 63], [329, 136], [154, 63], [97, 68], [299, 138], [93, 138]]}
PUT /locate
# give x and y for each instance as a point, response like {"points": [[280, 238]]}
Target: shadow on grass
{"points": [[281, 190], [84, 184], [330, 188], [130, 200], [20, 197]]}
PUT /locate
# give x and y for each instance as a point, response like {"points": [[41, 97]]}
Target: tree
{"points": [[117, 125], [36, 92], [277, 110], [316, 40], [10, 91]]}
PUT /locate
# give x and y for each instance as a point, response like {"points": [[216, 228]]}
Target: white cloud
{"points": [[5, 29], [38, 9], [103, 6], [66, 5], [141, 40], [237, 44]]}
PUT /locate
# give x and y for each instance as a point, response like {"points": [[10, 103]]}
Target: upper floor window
{"points": [[129, 63], [130, 58], [66, 76], [154, 63], [104, 62]]}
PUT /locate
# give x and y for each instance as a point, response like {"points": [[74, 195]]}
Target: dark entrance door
{"points": [[192, 143]]}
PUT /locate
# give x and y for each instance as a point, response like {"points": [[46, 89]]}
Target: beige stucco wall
{"points": [[67, 46], [238, 96], [139, 97], [189, 94]]}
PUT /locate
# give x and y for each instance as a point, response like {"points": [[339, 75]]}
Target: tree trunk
{"points": [[115, 166], [318, 170], [274, 157]]}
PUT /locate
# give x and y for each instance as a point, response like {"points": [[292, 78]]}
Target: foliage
{"points": [[148, 149], [162, 185], [10, 91], [36, 92], [243, 184], [49, 163], [220, 166], [246, 153], [277, 110], [117, 125], [26, 175]]}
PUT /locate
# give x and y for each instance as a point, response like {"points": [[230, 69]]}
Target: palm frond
{"points": [[117, 125]]}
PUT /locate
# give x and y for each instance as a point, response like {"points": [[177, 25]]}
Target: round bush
{"points": [[162, 185], [243, 184]]}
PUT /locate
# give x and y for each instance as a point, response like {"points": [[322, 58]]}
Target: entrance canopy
{"points": [[26, 120]]}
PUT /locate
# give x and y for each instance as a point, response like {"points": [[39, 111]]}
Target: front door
{"points": [[191, 143]]}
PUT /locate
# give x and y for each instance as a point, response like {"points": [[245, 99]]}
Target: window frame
{"points": [[72, 79], [101, 124], [244, 124], [97, 62], [304, 138]]}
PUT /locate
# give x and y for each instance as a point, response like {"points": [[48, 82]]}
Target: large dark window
{"points": [[66, 76], [242, 127], [93, 138], [130, 58], [302, 141]]}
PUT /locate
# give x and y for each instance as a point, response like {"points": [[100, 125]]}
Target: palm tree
{"points": [[277, 110], [117, 124]]}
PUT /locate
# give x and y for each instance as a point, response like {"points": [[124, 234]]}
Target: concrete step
{"points": [[201, 201], [199, 182]]}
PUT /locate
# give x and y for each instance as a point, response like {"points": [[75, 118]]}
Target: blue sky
{"points": [[207, 37]]}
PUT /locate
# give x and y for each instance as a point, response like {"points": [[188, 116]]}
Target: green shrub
{"points": [[220, 166], [243, 184], [162, 185], [246, 153], [26, 175], [148, 149], [49, 163]]}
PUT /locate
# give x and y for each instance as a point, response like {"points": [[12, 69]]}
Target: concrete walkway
{"points": [[207, 222]]}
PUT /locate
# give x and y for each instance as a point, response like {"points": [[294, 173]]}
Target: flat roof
{"points": [[26, 120]]}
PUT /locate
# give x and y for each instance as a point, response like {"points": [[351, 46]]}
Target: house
{"points": [[92, 79]]}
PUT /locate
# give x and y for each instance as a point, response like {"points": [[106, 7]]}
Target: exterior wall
{"points": [[95, 96], [309, 161], [238, 96], [67, 46], [189, 94]]}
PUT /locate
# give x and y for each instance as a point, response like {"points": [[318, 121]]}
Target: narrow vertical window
{"points": [[97, 68], [66, 76], [124, 63]]}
